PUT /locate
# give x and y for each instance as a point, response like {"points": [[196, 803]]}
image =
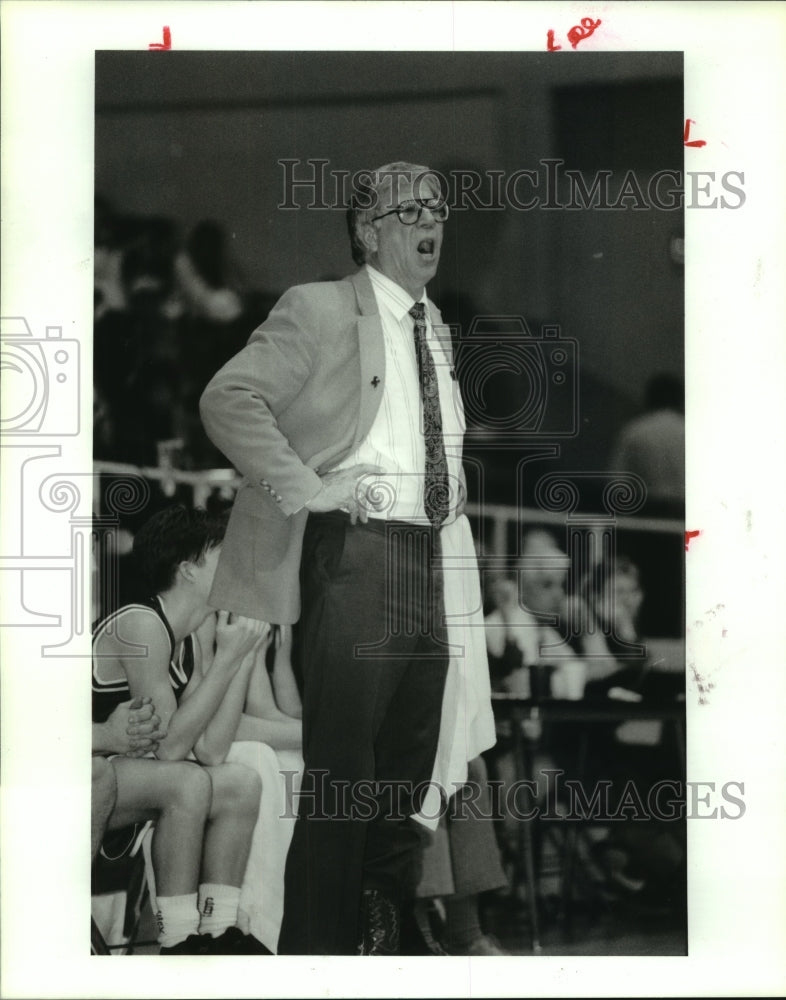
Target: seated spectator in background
{"points": [[529, 657], [515, 635], [525, 633], [610, 598], [204, 815], [653, 445], [637, 855]]}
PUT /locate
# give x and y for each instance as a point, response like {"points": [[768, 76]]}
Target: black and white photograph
{"points": [[366, 463]]}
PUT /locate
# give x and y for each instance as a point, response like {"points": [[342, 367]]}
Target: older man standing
{"points": [[344, 416]]}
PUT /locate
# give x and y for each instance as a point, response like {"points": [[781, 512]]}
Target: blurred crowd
{"points": [[547, 641], [169, 310]]}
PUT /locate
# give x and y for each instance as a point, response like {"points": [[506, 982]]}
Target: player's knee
{"points": [[237, 787], [191, 790]]}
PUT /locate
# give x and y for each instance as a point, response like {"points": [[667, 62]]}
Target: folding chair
{"points": [[119, 893]]}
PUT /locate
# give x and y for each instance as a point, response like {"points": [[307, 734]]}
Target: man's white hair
{"points": [[375, 188]]}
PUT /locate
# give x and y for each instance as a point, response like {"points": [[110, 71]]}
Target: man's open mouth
{"points": [[426, 247]]}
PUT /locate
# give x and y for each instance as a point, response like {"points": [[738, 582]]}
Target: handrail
{"points": [[227, 480]]}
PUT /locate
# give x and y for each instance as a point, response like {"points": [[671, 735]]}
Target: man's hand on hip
{"points": [[342, 490]]}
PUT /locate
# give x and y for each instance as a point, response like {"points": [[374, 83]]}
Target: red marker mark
{"points": [[686, 135], [688, 536], [581, 31], [576, 34], [167, 41]]}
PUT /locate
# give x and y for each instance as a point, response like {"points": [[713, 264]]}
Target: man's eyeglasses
{"points": [[409, 212]]}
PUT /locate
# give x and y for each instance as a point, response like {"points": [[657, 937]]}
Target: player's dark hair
{"points": [[174, 535]]}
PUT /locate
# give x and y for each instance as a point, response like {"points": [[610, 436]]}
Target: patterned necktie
{"points": [[436, 492]]}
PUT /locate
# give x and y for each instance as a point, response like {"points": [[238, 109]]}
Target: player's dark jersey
{"points": [[110, 685], [110, 688]]}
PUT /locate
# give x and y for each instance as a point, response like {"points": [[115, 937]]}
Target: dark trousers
{"points": [[374, 660]]}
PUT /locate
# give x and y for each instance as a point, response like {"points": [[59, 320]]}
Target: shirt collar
{"points": [[396, 298]]}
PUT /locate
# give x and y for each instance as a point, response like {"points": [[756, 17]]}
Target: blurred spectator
{"points": [[525, 634], [108, 293], [653, 445], [203, 275], [215, 325], [103, 427], [528, 657], [165, 320], [638, 856]]}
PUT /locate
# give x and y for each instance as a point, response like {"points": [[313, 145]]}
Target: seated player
{"points": [[133, 730], [204, 809]]}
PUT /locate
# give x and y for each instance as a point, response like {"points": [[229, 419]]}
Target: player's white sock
{"points": [[177, 917], [217, 907]]}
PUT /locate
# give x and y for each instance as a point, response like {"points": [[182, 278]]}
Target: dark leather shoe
{"points": [[194, 944], [380, 924], [234, 942]]}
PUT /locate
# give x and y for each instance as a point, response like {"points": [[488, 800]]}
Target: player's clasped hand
{"points": [[136, 726], [237, 635], [342, 490]]}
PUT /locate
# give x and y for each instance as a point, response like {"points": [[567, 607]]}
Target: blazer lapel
{"points": [[371, 348]]}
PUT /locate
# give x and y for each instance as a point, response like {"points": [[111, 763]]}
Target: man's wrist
{"points": [[310, 500]]}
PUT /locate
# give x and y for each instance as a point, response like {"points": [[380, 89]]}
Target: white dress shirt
{"points": [[395, 442]]}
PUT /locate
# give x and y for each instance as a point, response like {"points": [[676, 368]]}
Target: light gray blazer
{"points": [[294, 402]]}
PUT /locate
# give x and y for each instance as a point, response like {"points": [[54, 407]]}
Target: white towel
{"points": [[467, 721], [262, 892]]}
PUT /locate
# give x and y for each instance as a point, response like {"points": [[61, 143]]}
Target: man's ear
{"points": [[368, 236], [186, 570]]}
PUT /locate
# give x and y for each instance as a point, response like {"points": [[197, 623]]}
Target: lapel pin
{"points": [[375, 381]]}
